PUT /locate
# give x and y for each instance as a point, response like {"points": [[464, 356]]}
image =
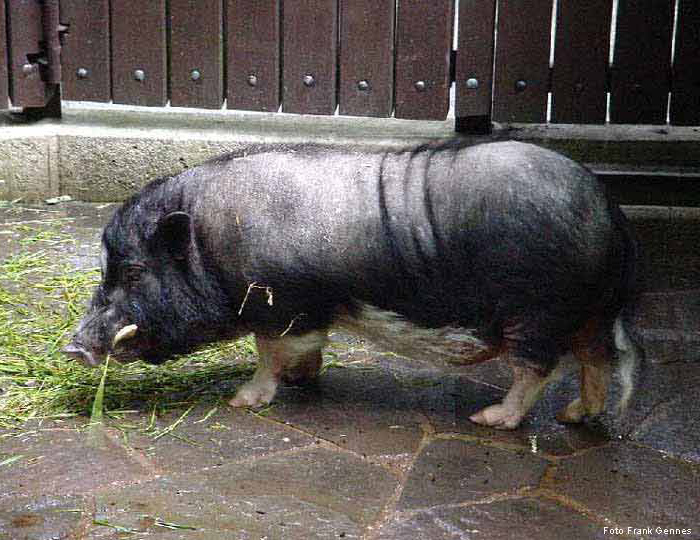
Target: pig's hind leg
{"points": [[607, 354], [292, 358], [528, 385], [535, 361], [594, 352]]}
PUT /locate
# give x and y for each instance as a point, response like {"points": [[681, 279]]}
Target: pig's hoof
{"points": [[253, 395], [497, 416], [573, 413]]}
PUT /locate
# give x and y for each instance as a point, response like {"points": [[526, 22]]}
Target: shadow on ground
{"points": [[379, 448]]}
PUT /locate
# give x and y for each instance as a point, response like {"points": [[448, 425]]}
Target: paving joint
{"points": [[389, 511], [87, 518], [492, 443], [572, 505], [137, 456], [667, 456], [515, 494]]}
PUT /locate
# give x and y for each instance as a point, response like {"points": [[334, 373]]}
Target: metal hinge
{"points": [[49, 57], [35, 37]]}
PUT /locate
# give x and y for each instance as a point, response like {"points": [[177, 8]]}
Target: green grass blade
{"points": [[98, 403]]}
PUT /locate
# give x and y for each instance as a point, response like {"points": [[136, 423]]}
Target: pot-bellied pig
{"points": [[442, 252]]}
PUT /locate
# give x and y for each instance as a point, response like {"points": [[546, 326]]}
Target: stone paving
{"points": [[380, 448]]}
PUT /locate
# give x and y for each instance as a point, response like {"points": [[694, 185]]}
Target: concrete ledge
{"points": [[104, 153]]}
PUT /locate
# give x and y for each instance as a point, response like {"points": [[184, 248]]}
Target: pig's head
{"points": [[153, 279]]}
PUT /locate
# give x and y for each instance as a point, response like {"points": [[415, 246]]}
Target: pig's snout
{"points": [[80, 353]]}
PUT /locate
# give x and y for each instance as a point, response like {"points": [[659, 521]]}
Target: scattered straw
{"points": [[254, 285], [41, 301]]}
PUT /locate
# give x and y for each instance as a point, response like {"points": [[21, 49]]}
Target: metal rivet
{"points": [[139, 75], [520, 85], [82, 73], [28, 69], [309, 80], [472, 83], [420, 86], [578, 87], [636, 87], [252, 80], [195, 75], [363, 85]]}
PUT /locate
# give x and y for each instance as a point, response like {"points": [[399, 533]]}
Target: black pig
{"points": [[441, 252]]}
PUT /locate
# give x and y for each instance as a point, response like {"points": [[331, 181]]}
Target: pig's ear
{"points": [[174, 233]]}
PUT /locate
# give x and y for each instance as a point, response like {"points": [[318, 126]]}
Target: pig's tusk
{"points": [[125, 333]]}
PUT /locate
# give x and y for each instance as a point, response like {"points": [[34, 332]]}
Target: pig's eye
{"points": [[132, 274]]}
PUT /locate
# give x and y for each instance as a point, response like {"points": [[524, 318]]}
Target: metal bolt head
{"points": [[82, 73], [28, 69], [252, 80], [139, 75], [195, 75], [520, 85], [363, 85], [308, 80], [578, 87], [420, 86], [472, 83]]}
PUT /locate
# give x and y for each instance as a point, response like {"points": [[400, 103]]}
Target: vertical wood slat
{"points": [[366, 57], [685, 89], [423, 48], [641, 62], [25, 32], [4, 91], [309, 56], [522, 61], [138, 44], [196, 53], [253, 55], [475, 58], [85, 58], [581, 54]]}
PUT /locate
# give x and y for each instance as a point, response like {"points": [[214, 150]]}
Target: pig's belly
{"points": [[392, 332]]}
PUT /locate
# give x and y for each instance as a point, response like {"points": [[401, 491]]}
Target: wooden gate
{"points": [[515, 61]]}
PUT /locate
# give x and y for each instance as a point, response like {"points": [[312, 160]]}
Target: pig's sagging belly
{"points": [[394, 333]]}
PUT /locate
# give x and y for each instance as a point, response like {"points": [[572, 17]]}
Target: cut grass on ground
{"points": [[41, 301]]}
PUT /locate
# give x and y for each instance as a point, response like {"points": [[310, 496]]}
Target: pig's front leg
{"points": [[291, 357]]}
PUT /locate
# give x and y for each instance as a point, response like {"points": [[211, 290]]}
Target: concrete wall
{"points": [[105, 153]]}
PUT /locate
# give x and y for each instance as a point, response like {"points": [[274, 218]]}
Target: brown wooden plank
{"points": [[138, 52], [253, 55], [366, 57], [196, 53], [85, 53], [641, 62], [685, 90], [522, 61], [581, 53], [309, 51], [25, 32], [423, 46], [474, 69], [4, 90]]}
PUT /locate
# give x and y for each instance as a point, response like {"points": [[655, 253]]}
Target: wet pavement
{"points": [[380, 448]]}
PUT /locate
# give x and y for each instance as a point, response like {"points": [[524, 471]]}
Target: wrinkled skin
{"points": [[512, 247]]}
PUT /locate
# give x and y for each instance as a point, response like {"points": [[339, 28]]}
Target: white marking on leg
{"points": [[628, 359], [275, 355], [526, 389]]}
